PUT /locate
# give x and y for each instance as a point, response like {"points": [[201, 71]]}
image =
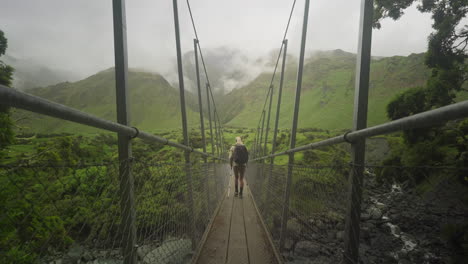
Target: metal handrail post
{"points": [[261, 134], [200, 103], [220, 145], [221, 137], [254, 146], [209, 117], [208, 103], [268, 119], [278, 104], [284, 219], [278, 108], [257, 136], [358, 148], [202, 121], [127, 196], [260, 143], [216, 132], [188, 169]]}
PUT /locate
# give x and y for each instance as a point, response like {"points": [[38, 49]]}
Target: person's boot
{"points": [[236, 193], [241, 189]]}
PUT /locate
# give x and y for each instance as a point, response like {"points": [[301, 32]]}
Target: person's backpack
{"points": [[241, 155]]}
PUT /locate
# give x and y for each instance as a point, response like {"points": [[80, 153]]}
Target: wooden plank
{"points": [[209, 229], [237, 235], [215, 248], [260, 250], [237, 251], [279, 259]]}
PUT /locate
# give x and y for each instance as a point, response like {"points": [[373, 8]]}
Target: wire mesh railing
{"points": [[413, 214], [71, 213], [316, 208]]}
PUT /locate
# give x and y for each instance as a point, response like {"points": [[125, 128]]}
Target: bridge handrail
{"points": [[14, 98], [424, 119]]}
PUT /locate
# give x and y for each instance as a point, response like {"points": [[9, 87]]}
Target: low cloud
{"points": [[77, 36]]}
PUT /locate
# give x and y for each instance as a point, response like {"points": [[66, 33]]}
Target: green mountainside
{"points": [[326, 100], [154, 104], [328, 91]]}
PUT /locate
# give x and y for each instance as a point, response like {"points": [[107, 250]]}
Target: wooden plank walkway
{"points": [[237, 235]]}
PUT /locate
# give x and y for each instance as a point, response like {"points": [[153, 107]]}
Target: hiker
{"points": [[238, 155]]}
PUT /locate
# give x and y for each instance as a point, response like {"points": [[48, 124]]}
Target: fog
{"points": [[77, 36]]}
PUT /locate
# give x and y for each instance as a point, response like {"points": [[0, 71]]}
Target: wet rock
{"points": [[171, 251], [365, 233], [339, 235], [87, 256], [395, 230], [294, 228], [404, 261], [288, 244], [288, 257], [314, 236], [116, 253], [142, 251], [339, 225], [365, 216], [375, 213], [369, 225], [319, 224], [307, 249], [73, 255], [107, 261], [101, 254]]}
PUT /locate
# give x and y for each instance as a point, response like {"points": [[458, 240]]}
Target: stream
{"points": [[410, 244]]}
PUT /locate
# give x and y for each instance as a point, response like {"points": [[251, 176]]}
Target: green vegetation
{"points": [[326, 103], [447, 59], [447, 145], [56, 206], [154, 104], [61, 189], [328, 91], [6, 124]]}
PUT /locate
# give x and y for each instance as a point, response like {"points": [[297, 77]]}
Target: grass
{"points": [[327, 95]]}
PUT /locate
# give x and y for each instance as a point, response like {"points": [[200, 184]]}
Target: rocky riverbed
{"points": [[397, 226], [171, 251]]}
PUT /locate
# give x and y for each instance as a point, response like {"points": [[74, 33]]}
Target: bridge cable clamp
{"points": [[345, 137], [137, 133]]}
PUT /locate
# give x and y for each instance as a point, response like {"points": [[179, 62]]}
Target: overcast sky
{"points": [[77, 35]]}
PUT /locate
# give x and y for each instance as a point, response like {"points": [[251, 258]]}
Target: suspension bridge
{"points": [[285, 209]]}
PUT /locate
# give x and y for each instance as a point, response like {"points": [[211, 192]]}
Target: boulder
{"points": [[365, 216], [107, 261], [404, 261], [294, 228], [142, 251], [171, 251], [73, 255], [375, 213], [288, 244], [87, 256], [339, 235], [307, 249]]}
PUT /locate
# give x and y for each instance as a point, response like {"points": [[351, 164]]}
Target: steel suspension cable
{"points": [[216, 117], [270, 88]]}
